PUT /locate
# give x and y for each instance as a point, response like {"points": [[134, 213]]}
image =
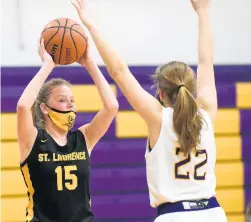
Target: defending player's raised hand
{"points": [[81, 6], [200, 4]]}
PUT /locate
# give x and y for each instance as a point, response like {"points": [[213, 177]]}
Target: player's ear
{"points": [[44, 109], [160, 97], [160, 93]]}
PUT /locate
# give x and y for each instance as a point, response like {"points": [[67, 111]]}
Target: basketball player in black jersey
{"points": [[55, 161]]}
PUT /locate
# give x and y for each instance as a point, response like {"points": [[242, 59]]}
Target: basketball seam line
{"points": [[74, 42], [53, 35], [67, 28], [62, 41], [59, 26]]}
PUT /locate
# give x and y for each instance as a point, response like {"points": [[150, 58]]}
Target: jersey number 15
{"points": [[72, 180]]}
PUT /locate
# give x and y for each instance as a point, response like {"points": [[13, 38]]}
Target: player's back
{"points": [[173, 177]]}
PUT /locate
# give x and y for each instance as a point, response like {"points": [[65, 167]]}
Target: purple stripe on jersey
{"points": [[119, 152], [192, 205], [246, 149], [245, 121], [118, 180], [83, 118], [122, 206]]}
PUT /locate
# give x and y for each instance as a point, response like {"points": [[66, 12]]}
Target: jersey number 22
{"points": [[196, 167]]}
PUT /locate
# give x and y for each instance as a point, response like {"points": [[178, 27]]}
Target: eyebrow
{"points": [[72, 97]]}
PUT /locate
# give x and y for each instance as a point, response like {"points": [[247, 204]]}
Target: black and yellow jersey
{"points": [[58, 179]]}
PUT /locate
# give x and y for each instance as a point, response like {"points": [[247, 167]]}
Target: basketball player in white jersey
{"points": [[180, 153]]}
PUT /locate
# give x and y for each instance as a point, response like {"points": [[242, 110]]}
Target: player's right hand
{"points": [[200, 4], [86, 59], [44, 55]]}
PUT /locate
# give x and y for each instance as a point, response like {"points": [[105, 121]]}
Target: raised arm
{"points": [[103, 119], [207, 96], [26, 130], [144, 103]]}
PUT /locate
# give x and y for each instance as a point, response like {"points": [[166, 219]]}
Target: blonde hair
{"points": [[177, 81], [43, 97]]}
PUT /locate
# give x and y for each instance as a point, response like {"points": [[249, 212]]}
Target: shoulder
{"points": [[205, 115], [77, 136], [42, 136], [78, 139], [30, 155]]}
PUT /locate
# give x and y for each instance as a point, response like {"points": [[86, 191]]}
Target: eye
{"points": [[73, 101], [62, 100]]}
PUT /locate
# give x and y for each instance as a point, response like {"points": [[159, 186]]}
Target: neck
{"points": [[54, 131]]}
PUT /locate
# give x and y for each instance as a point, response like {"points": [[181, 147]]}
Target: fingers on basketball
{"points": [[42, 44], [39, 46]]}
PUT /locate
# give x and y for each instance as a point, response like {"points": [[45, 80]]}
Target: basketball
{"points": [[64, 40]]}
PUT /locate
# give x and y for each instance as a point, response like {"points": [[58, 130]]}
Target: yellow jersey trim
{"points": [[30, 189]]}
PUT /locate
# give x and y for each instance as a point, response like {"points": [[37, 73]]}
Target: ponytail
{"points": [[187, 120]]}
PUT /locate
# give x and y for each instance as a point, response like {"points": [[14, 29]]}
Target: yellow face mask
{"points": [[62, 119]]}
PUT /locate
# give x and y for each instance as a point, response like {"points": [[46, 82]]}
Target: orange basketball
{"points": [[64, 40]]}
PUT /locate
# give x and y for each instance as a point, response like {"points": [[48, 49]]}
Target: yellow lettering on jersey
{"points": [[40, 157], [73, 157], [54, 157], [69, 157], [63, 157], [59, 157], [43, 157]]}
